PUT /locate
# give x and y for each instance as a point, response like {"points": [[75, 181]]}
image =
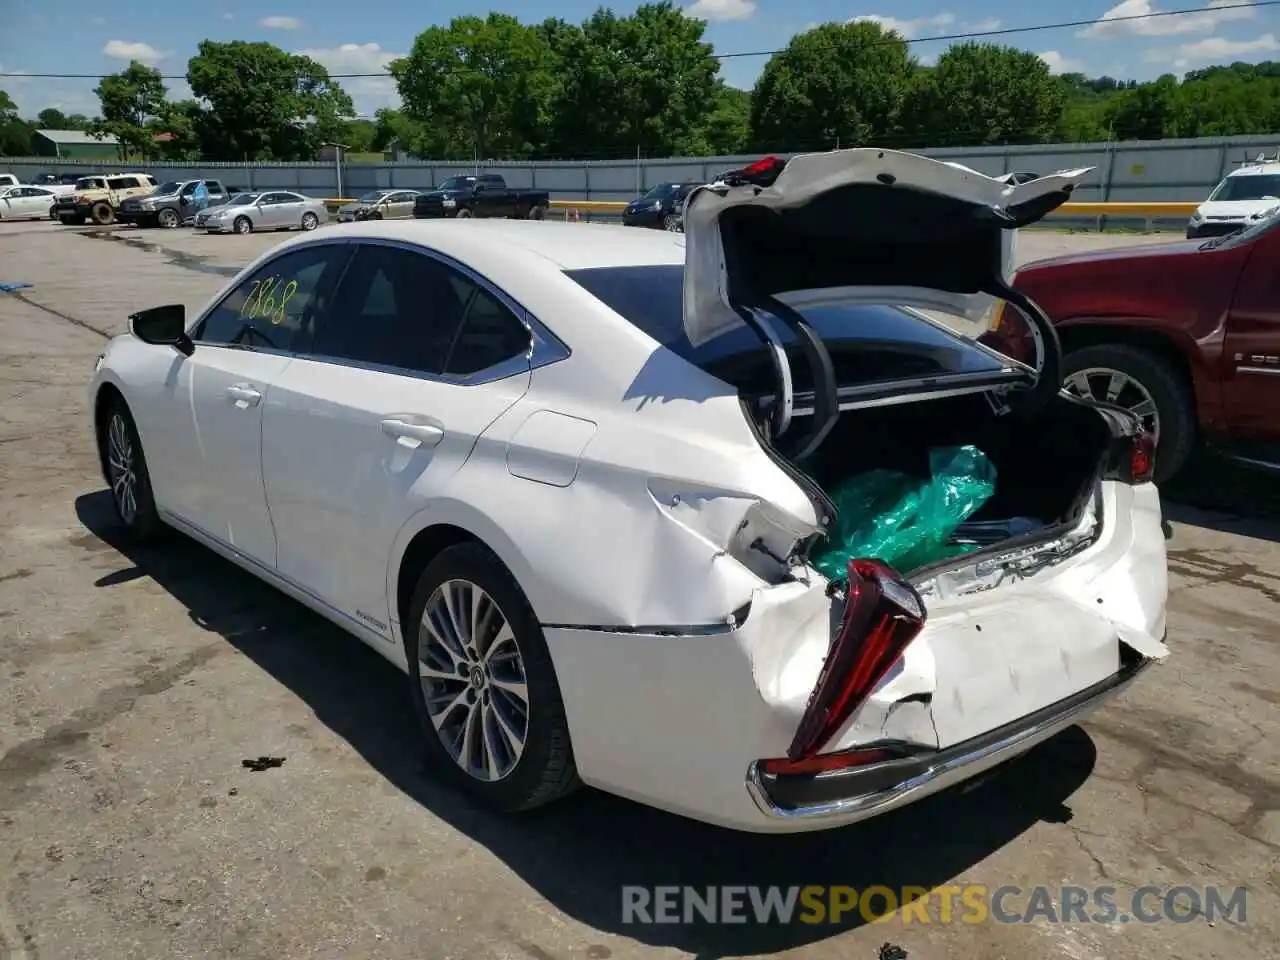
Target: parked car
{"points": [[1183, 334], [272, 210], [26, 203], [660, 207], [1244, 196], [566, 478], [484, 195], [60, 184], [99, 197], [171, 204], [380, 205]]}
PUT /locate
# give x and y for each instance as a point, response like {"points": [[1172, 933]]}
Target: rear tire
{"points": [[1168, 389], [539, 212], [464, 214], [471, 682], [102, 213], [242, 225], [310, 221], [124, 467]]}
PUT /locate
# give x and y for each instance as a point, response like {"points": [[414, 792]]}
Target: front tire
{"points": [[125, 468], [243, 225], [1148, 385], [102, 214], [484, 686], [169, 219], [464, 214]]}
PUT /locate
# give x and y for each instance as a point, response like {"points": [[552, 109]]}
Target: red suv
{"points": [[1184, 334]]}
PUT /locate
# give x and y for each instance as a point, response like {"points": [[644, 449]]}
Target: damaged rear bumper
{"points": [[856, 793]]}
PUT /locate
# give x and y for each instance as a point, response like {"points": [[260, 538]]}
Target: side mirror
{"points": [[163, 326]]}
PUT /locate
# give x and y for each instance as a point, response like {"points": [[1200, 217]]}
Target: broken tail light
{"points": [[882, 615], [1133, 459]]}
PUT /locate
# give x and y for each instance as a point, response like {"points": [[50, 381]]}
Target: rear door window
{"points": [[868, 344], [394, 308]]}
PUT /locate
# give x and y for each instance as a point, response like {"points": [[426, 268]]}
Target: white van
{"points": [[1244, 196]]}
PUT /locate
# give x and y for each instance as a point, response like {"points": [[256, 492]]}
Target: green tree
{"points": [[838, 83], [264, 103], [644, 83], [359, 135], [478, 87], [393, 128], [52, 119], [984, 93], [728, 127], [1146, 112], [15, 133], [132, 102]]}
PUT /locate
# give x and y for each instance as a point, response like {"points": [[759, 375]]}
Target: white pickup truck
{"points": [[46, 181]]}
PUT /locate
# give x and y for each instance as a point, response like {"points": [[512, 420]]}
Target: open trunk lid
{"points": [[857, 226]]}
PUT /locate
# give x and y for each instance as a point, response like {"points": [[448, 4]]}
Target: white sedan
{"points": [[574, 479], [26, 203]]}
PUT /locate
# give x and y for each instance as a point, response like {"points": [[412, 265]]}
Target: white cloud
{"points": [[984, 26], [368, 93], [228, 16], [909, 28], [722, 9], [1212, 49], [132, 50], [98, 21], [1110, 25], [1057, 63], [280, 23]]}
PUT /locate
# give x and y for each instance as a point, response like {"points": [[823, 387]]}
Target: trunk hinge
{"points": [[826, 402], [1048, 362]]}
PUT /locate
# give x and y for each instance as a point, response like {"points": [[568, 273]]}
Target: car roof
{"points": [[1257, 169], [568, 246]]}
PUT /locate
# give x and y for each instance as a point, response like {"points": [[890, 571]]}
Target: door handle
{"points": [[243, 393], [424, 434]]}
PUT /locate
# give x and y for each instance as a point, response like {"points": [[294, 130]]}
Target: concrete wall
{"points": [[1131, 171]]}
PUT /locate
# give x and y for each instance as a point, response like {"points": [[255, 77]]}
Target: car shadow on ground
{"points": [[1214, 493], [580, 853]]}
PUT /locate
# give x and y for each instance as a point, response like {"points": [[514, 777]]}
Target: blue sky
{"points": [[35, 38]]}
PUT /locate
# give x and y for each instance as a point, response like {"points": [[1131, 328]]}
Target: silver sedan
{"points": [[275, 210]]}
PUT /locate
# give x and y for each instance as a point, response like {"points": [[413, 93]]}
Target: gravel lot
{"points": [[136, 682]]}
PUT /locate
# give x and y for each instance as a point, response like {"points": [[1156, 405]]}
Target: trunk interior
{"points": [[1044, 464]]}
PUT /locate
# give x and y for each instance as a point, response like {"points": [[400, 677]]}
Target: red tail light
{"points": [[826, 762], [883, 613], [1142, 461], [1132, 459]]}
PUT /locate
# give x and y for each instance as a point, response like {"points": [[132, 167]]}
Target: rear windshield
{"points": [[868, 344]]}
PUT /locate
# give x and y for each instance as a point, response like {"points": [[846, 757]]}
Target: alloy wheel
{"points": [[1119, 389], [473, 680], [120, 468]]}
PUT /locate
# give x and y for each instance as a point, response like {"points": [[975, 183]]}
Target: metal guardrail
{"points": [[1146, 211]]}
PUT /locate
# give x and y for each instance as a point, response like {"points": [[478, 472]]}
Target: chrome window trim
{"points": [[545, 347]]}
